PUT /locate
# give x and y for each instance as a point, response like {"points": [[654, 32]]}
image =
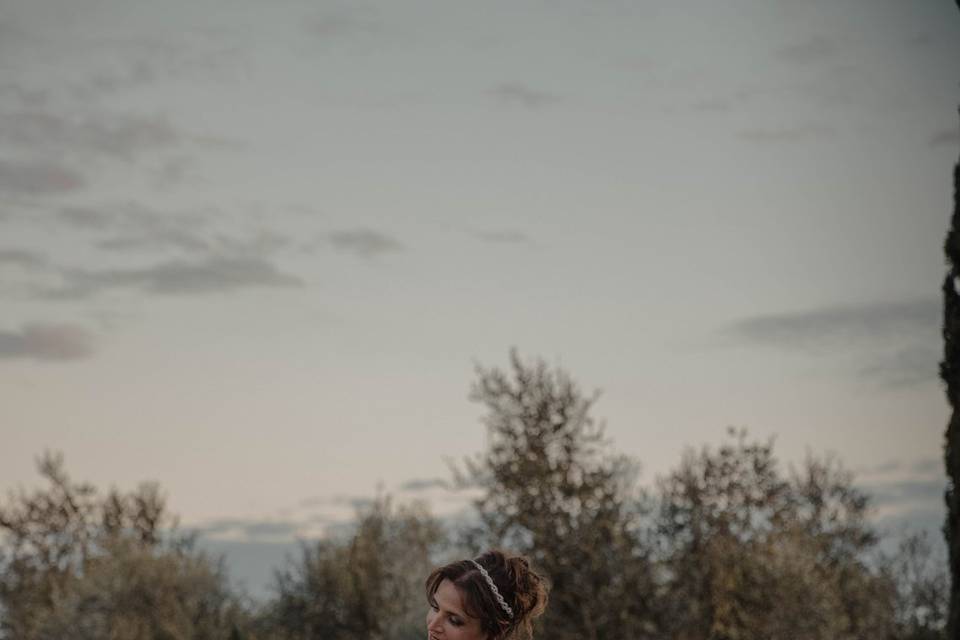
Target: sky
{"points": [[254, 251]]}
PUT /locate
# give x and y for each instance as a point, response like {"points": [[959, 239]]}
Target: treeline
{"points": [[728, 546]]}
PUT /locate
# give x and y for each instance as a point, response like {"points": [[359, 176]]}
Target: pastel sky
{"points": [[253, 250]]}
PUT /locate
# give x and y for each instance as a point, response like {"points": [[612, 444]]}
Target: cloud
{"points": [[945, 138], [157, 239], [920, 468], [176, 252], [47, 342], [928, 519], [424, 484], [22, 94], [119, 136], [812, 50], [884, 468], [249, 529], [253, 564], [365, 243], [523, 95], [131, 218], [339, 22], [137, 73], [36, 178], [711, 105], [836, 327], [173, 171], [910, 498], [503, 236], [911, 492], [260, 243], [904, 367], [927, 465], [23, 258], [86, 218], [132, 227], [341, 500], [890, 343], [796, 133], [176, 277]]}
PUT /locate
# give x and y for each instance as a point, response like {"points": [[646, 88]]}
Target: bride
{"points": [[492, 597]]}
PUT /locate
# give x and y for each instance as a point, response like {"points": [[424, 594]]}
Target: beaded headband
{"points": [[493, 588]]}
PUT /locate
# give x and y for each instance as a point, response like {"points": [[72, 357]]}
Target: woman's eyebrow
{"points": [[455, 612]]}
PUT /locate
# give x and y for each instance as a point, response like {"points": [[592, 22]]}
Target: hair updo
{"points": [[524, 591]]}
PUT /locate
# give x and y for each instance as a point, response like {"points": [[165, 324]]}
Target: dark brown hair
{"points": [[524, 590]]}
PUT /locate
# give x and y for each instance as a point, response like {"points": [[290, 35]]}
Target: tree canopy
{"points": [[729, 545]]}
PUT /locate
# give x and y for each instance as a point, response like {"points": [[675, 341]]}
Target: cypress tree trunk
{"points": [[950, 372]]}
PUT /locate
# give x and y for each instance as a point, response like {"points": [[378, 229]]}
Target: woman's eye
{"points": [[457, 622], [433, 605]]}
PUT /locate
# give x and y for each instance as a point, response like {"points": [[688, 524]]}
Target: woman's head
{"points": [[464, 602]]}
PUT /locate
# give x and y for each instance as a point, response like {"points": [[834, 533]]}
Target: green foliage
{"points": [[950, 374], [730, 546], [368, 587], [132, 592], [750, 553], [78, 565], [554, 491], [922, 593]]}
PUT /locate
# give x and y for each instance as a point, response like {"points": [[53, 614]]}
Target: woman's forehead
{"points": [[448, 596]]}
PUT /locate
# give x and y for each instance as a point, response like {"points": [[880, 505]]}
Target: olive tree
{"points": [[553, 489], [75, 563]]}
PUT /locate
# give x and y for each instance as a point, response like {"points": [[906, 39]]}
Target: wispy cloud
{"points": [[416, 485], [340, 22], [890, 342], [174, 171], [815, 49], [883, 468], [907, 493], [366, 243], [262, 242], [156, 239], [927, 466], [711, 105], [117, 135], [523, 95], [86, 218], [828, 328], [22, 95], [945, 138], [133, 227], [176, 277], [793, 133], [135, 73], [47, 342], [38, 178], [131, 217], [503, 236], [340, 500], [251, 530], [23, 258], [256, 244], [903, 367]]}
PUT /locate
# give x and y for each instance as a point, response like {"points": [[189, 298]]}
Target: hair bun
{"points": [[527, 591]]}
